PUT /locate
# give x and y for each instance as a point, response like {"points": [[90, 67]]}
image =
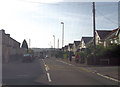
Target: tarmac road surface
{"points": [[50, 71]]}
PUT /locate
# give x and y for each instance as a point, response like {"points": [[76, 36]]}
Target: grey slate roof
{"points": [[103, 33], [66, 47], [77, 43], [86, 39], [70, 45]]}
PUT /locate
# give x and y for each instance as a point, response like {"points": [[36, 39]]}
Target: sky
{"points": [[39, 20]]}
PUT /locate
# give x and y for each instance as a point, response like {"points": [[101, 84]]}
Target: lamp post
{"points": [[62, 33], [58, 43], [54, 41]]}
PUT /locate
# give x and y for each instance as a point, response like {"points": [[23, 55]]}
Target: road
{"points": [[50, 71]]}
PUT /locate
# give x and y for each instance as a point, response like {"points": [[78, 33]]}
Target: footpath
{"points": [[111, 72]]}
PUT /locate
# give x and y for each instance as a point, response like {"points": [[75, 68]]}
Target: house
{"points": [[1, 49], [118, 35], [66, 48], [100, 35], [10, 47], [70, 47], [119, 14], [63, 48], [89, 43], [76, 47], [111, 38], [84, 41]]}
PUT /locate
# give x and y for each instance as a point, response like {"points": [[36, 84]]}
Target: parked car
{"points": [[27, 58]]}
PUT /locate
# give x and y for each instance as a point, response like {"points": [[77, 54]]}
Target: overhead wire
{"points": [[107, 18]]}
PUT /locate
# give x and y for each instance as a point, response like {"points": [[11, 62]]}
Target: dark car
{"points": [[27, 58]]}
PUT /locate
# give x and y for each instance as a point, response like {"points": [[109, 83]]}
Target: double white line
{"points": [[47, 68]]}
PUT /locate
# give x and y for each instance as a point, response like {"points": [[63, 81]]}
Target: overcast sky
{"points": [[39, 21]]}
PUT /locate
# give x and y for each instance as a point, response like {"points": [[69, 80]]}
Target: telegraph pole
{"points": [[94, 36]]}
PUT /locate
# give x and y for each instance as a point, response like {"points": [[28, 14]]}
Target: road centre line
{"points": [[48, 77], [47, 68], [43, 61], [108, 77]]}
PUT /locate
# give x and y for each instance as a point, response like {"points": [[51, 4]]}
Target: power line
{"points": [[107, 5], [106, 17]]}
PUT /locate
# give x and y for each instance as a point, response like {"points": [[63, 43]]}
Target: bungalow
{"points": [[70, 47], [84, 41], [100, 35], [76, 45]]}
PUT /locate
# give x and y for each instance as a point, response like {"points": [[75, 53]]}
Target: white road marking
{"points": [[48, 75], [47, 68], [108, 77], [43, 61], [93, 72], [65, 62]]}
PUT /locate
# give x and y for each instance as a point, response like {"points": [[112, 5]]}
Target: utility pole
{"points": [[94, 36], [94, 33], [62, 33]]}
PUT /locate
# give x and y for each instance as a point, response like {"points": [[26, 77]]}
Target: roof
{"points": [[66, 47], [77, 43], [70, 45], [118, 31], [110, 35], [103, 33], [86, 39]]}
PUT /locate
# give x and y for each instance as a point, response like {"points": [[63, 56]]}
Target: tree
{"points": [[24, 44]]}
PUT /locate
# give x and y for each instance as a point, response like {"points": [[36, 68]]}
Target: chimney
{"points": [[8, 35], [3, 31]]}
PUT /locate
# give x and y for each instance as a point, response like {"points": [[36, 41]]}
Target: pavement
{"points": [[110, 71]]}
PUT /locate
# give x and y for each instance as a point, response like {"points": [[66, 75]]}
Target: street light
{"points": [[62, 33], [54, 41]]}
